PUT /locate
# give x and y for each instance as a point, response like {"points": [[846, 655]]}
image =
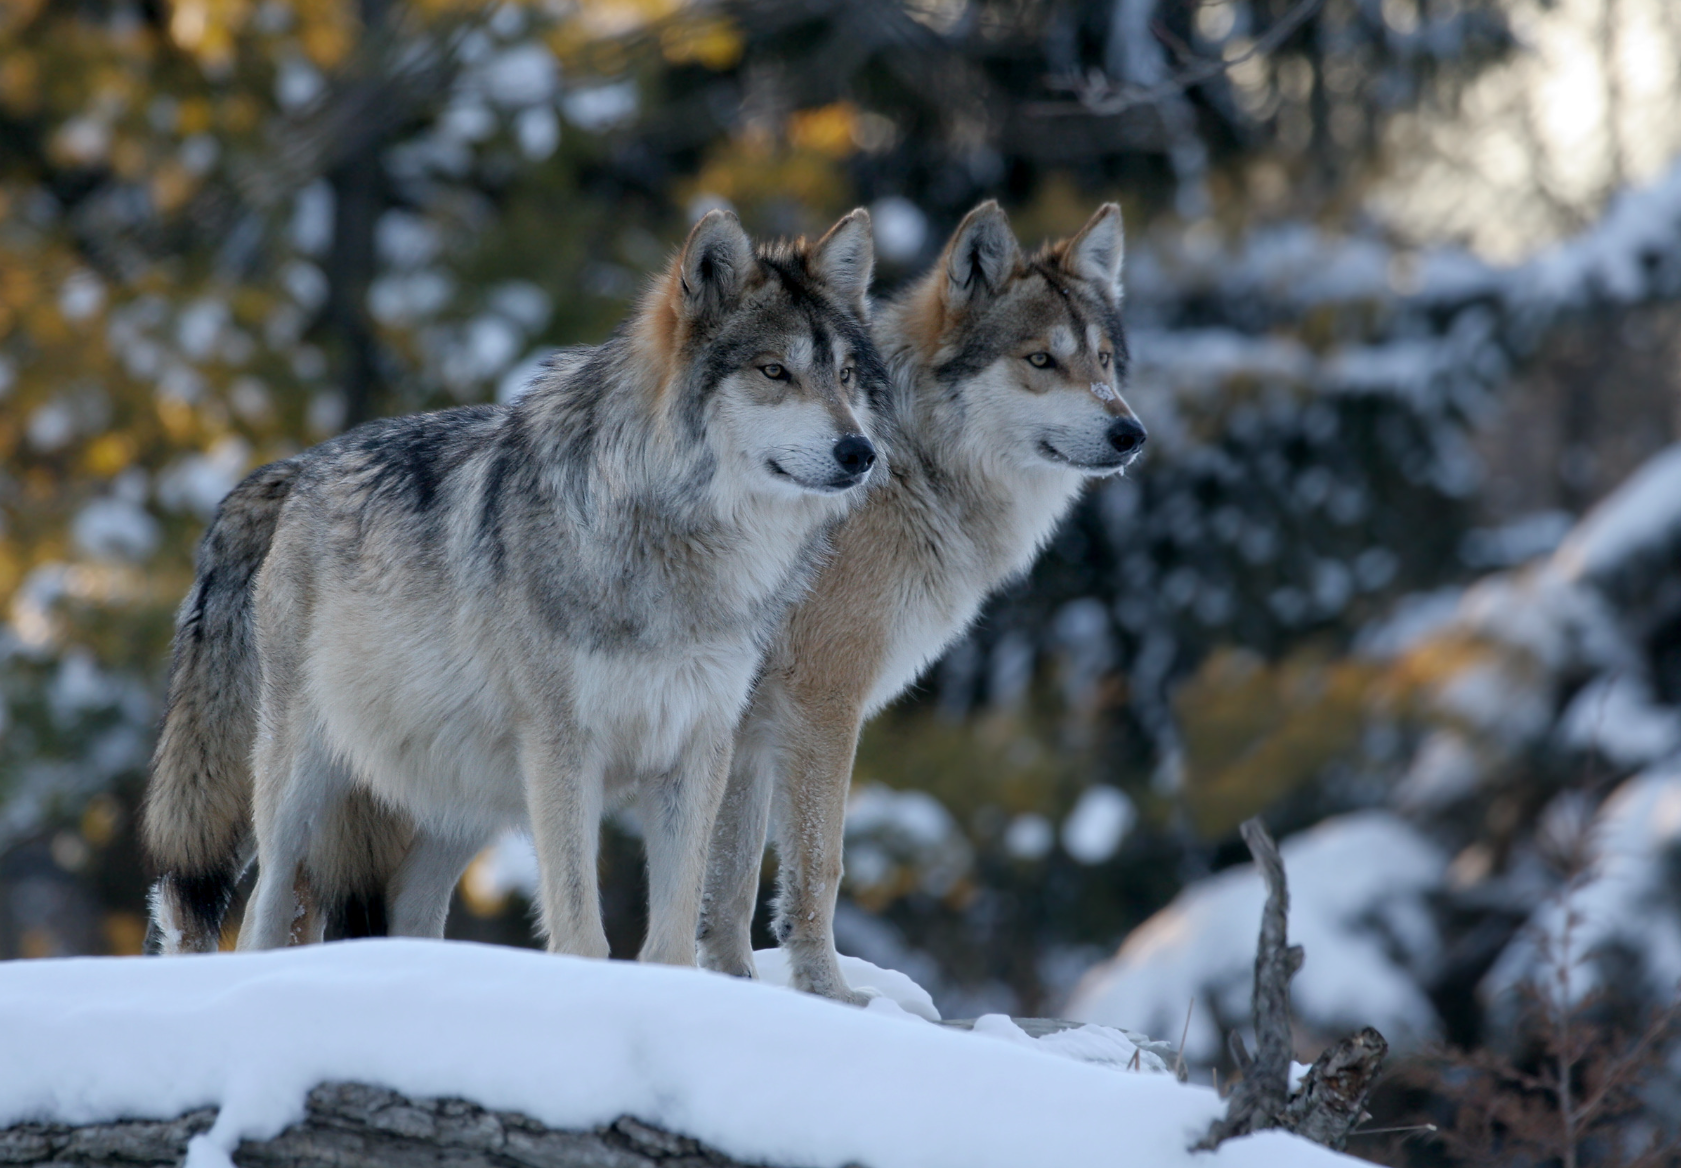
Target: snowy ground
{"points": [[759, 1072]]}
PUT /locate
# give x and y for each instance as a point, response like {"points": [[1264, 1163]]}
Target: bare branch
{"points": [[1333, 1093], [1098, 93]]}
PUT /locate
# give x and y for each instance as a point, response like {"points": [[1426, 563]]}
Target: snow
{"points": [[900, 228], [1102, 1045], [115, 529], [1618, 716], [521, 76], [1097, 825], [197, 482], [883, 985], [1640, 519], [1626, 902], [1610, 258], [601, 107], [888, 829], [763, 1074], [1030, 836], [1357, 885]]}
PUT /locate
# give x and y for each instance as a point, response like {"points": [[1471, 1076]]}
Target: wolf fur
{"points": [[1006, 374], [408, 638]]}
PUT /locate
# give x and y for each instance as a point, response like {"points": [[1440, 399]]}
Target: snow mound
{"points": [[762, 1075], [1356, 900], [1104, 1046], [860, 975]]}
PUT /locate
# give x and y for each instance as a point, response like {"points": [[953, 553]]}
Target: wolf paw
{"points": [[734, 964], [833, 987]]}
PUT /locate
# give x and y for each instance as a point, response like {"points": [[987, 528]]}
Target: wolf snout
{"points": [[855, 454], [1126, 435]]}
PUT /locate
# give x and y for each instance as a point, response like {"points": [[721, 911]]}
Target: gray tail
{"points": [[196, 822]]}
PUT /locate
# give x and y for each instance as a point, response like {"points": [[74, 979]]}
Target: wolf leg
{"points": [[420, 891], [738, 844], [295, 783], [563, 790], [679, 809], [818, 742]]}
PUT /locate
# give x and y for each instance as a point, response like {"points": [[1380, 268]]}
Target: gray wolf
{"points": [[432, 627], [1007, 373]]}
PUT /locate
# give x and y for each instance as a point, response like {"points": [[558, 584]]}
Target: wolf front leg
{"points": [[738, 842], [678, 810], [563, 792], [819, 738]]}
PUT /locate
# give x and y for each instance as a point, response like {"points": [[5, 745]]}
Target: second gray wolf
{"points": [[406, 639], [1007, 371]]}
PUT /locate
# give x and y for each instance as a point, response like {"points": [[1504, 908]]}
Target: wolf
{"points": [[408, 638], [1007, 375]]}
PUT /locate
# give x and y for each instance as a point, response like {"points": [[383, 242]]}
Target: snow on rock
{"points": [[1628, 901], [1357, 884], [760, 1074]]}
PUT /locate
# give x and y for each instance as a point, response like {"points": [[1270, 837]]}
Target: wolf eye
{"points": [[1104, 358], [846, 375], [1040, 360], [774, 371]]}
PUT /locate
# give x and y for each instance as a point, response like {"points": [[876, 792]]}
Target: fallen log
{"points": [[352, 1125]]}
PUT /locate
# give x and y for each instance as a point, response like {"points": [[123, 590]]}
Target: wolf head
{"points": [[769, 354], [1030, 348]]}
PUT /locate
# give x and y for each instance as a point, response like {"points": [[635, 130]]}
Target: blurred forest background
{"points": [[1401, 570]]}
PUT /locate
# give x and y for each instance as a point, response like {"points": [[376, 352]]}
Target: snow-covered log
{"points": [[555, 1053]]}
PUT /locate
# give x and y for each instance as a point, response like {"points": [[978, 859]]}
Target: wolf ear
{"points": [[981, 255], [1095, 253], [845, 257], [717, 260]]}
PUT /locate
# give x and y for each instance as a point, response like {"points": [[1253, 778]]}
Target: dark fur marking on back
{"points": [[409, 458]]}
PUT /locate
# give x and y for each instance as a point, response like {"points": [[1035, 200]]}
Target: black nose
{"points": [[855, 454], [1126, 435]]}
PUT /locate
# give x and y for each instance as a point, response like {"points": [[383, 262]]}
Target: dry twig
{"points": [[1333, 1093]]}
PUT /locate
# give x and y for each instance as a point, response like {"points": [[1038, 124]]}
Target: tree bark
{"points": [[351, 1125]]}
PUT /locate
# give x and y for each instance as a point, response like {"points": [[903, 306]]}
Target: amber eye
{"points": [[1040, 360], [846, 375], [1104, 358], [774, 371]]}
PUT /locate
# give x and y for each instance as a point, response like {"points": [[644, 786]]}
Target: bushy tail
{"points": [[196, 822]]}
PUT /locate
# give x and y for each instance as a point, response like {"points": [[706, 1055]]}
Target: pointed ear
{"points": [[717, 261], [981, 255], [1095, 253], [844, 258]]}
